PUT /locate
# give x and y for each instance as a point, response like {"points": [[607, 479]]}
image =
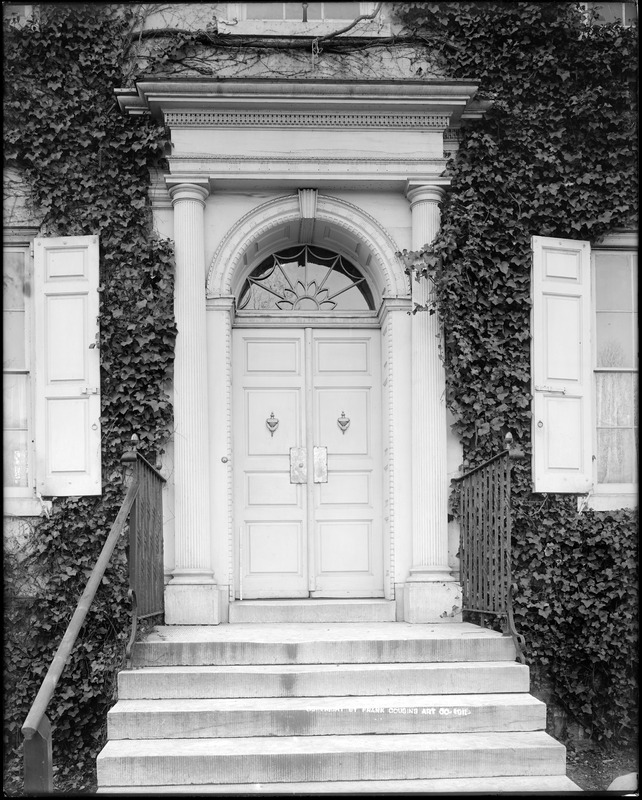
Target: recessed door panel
{"points": [[348, 488], [345, 548], [274, 548], [272, 420], [271, 488], [343, 420], [307, 463]]}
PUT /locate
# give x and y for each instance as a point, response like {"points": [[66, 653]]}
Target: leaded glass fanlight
{"points": [[306, 278]]}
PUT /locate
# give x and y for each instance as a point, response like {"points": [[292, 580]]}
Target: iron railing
{"points": [[485, 541], [143, 506]]}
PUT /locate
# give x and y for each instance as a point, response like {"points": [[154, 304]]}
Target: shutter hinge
{"points": [[89, 390]]}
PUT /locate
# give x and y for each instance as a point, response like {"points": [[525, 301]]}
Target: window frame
{"points": [[607, 496], [23, 500], [236, 23]]}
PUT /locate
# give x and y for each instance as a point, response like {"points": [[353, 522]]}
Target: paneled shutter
{"points": [[561, 365], [67, 369]]}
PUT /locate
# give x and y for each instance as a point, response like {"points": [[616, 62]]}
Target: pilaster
{"points": [[430, 594], [192, 595]]}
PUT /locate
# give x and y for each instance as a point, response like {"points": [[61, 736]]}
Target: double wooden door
{"points": [[307, 463]]}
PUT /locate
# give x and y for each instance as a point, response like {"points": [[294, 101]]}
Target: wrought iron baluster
{"points": [[485, 546]]}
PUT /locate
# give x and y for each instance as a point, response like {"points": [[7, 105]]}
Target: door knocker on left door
{"points": [[272, 423], [343, 422]]}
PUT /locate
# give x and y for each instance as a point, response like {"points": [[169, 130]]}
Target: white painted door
{"points": [[307, 463]]}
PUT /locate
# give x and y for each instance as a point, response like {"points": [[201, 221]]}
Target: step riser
{"points": [[413, 719], [348, 652], [538, 784], [434, 679], [249, 768], [311, 612]]}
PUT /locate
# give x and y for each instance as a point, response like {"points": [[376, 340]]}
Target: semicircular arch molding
{"points": [[275, 224]]}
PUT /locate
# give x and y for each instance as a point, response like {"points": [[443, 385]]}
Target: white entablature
{"points": [[293, 133]]}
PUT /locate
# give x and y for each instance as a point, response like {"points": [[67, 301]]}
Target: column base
{"points": [[432, 602], [192, 604]]}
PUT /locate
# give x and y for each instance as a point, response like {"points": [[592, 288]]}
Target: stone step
{"points": [[318, 610], [519, 784], [275, 759], [324, 716], [320, 680], [321, 643]]}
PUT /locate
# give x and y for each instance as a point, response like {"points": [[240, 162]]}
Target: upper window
{"points": [[303, 19], [306, 278], [302, 12]]}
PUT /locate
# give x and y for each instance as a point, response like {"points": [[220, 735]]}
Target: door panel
{"points": [[301, 390], [270, 512], [346, 414]]}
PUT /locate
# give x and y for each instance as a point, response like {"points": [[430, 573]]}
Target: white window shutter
{"points": [[561, 365], [67, 369]]}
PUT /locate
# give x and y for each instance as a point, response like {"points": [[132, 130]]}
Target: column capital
{"points": [[418, 190], [187, 187]]}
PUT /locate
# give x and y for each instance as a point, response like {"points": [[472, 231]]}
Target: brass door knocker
{"points": [[343, 422], [272, 423]]}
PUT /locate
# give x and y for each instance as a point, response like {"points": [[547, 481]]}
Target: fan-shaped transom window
{"points": [[305, 278]]}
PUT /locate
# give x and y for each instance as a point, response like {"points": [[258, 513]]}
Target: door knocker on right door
{"points": [[343, 422]]}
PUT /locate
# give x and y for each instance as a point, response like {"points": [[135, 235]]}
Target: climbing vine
{"points": [[86, 166], [554, 155]]}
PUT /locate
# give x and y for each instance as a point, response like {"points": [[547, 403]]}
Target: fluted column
{"points": [[430, 594], [191, 596]]}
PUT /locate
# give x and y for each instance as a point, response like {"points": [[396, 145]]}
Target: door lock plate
{"points": [[298, 465], [320, 457]]}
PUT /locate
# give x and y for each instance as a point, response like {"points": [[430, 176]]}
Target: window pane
{"points": [[613, 283], [15, 458], [295, 11], [617, 456], [13, 279], [13, 344], [615, 340], [14, 400], [306, 278], [609, 12], [615, 401], [264, 10], [341, 10]]}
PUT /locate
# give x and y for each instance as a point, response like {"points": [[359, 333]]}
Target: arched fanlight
{"points": [[305, 278]]}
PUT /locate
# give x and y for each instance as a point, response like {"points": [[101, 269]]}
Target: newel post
{"points": [[37, 759]]}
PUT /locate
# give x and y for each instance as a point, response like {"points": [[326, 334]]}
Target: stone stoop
{"points": [[327, 707]]}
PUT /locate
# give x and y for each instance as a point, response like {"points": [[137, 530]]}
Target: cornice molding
{"points": [[374, 100], [256, 119]]}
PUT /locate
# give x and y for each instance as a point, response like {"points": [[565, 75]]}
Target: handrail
{"points": [[36, 724], [37, 746], [486, 523]]}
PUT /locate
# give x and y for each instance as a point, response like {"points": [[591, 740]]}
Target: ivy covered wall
{"points": [[555, 155], [84, 169]]}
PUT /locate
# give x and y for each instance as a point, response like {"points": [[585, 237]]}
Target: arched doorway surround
{"points": [[364, 241], [348, 230]]}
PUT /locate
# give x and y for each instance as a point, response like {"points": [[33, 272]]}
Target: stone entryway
{"points": [[327, 707]]}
